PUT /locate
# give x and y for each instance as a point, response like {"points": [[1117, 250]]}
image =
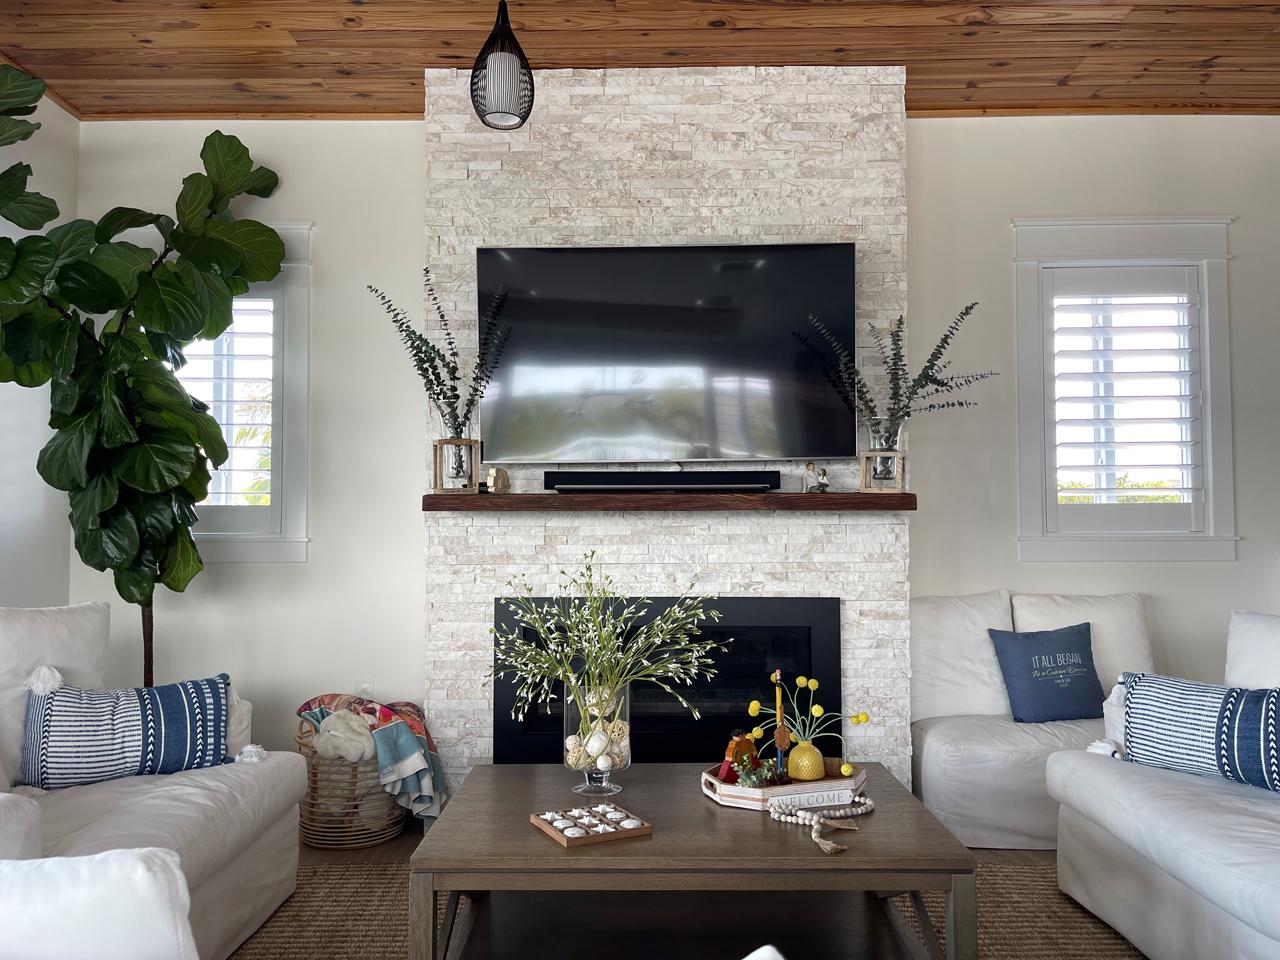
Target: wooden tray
{"points": [[835, 789], [593, 819]]}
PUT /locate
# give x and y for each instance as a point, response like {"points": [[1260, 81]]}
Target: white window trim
{"points": [[1199, 242], [289, 543]]}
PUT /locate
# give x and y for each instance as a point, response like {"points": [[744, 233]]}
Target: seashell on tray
{"points": [[603, 828], [575, 832], [631, 824], [616, 815], [562, 824]]}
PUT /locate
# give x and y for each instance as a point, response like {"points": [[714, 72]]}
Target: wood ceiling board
{"points": [[223, 58]]}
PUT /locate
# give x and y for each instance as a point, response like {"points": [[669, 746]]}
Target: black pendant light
{"points": [[502, 80]]}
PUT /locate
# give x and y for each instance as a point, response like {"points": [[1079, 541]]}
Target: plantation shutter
{"points": [[238, 376], [1124, 365]]}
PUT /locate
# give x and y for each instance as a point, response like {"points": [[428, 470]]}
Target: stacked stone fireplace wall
{"points": [[632, 156], [859, 557]]}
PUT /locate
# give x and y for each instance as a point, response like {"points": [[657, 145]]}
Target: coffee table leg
{"points": [[962, 918], [422, 917]]}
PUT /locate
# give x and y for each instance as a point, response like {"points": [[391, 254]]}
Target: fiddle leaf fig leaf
{"points": [[227, 162], [110, 545], [63, 394], [18, 90], [196, 486], [93, 499], [90, 288], [201, 428], [181, 561], [124, 262], [119, 219], [30, 211], [214, 297], [63, 463], [136, 583], [193, 203], [117, 425], [13, 182], [73, 240], [13, 130], [33, 261], [157, 462], [260, 248], [8, 254], [165, 304], [262, 182], [155, 517]]}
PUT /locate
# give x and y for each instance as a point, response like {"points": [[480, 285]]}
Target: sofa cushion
{"points": [[19, 827], [983, 777], [208, 816], [953, 663], [1219, 838], [76, 736], [1049, 674], [117, 905], [1117, 623], [1253, 650], [72, 639]]}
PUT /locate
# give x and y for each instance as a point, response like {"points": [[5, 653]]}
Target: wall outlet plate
{"points": [[364, 688]]}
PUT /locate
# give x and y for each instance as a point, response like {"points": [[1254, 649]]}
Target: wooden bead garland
{"points": [[832, 817]]}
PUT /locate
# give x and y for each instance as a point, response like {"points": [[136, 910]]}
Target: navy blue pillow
{"points": [[1049, 674]]}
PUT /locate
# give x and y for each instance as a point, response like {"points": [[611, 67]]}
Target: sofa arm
{"points": [[19, 827], [118, 905], [239, 723]]}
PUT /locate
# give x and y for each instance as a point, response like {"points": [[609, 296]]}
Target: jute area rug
{"points": [[362, 910]]}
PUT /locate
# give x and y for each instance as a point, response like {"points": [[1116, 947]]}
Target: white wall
{"points": [[289, 631], [355, 609], [35, 538], [965, 179]]}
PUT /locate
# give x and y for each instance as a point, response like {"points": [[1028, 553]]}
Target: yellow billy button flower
{"points": [[801, 681], [753, 708], [846, 769], [817, 710], [794, 738], [812, 684], [757, 733]]}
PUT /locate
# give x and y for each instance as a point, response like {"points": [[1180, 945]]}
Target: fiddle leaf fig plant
{"points": [[104, 322]]}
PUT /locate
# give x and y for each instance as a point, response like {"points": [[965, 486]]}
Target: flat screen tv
{"points": [[633, 354]]}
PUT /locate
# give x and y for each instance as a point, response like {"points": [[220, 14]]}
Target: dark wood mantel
{"points": [[584, 502]]}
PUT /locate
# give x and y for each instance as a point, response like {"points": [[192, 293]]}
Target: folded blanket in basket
{"points": [[408, 762]]}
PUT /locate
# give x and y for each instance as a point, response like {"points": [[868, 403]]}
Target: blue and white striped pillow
{"points": [[76, 736], [1202, 728]]}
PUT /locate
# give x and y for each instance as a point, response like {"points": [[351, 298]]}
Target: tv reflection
{"points": [[611, 412]]}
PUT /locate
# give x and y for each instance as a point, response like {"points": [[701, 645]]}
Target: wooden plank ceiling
{"points": [[363, 58]]}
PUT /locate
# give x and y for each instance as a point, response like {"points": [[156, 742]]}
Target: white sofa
{"points": [[233, 827], [978, 770], [1186, 867]]}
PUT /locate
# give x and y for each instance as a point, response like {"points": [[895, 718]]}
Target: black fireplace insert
{"points": [[799, 635]]}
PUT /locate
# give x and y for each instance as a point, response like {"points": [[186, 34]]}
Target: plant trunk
{"points": [[148, 659]]}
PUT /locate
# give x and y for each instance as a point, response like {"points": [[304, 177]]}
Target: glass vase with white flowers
{"points": [[589, 644]]}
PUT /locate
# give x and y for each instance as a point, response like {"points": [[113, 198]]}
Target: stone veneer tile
{"points": [[669, 156]]}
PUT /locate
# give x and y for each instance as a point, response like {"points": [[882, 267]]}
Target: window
{"points": [[1124, 402], [254, 379]]}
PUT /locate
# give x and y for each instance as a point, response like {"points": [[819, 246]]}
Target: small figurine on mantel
{"points": [[499, 480], [814, 480]]}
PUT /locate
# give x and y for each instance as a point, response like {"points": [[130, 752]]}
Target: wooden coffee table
{"points": [[483, 842]]}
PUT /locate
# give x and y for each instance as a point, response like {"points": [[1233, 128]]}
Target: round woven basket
{"points": [[346, 805]]}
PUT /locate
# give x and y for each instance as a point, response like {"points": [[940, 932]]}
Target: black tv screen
{"points": [[666, 353]]}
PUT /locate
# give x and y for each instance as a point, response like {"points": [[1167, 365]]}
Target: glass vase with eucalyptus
{"points": [[597, 735], [884, 435], [591, 644]]}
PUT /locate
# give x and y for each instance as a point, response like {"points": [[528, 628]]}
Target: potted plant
{"points": [[589, 644], [799, 728], [132, 449], [453, 394], [907, 395]]}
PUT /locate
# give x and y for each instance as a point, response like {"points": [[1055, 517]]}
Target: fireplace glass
{"points": [[794, 634]]}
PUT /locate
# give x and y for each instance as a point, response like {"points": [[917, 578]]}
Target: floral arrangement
{"points": [[907, 394], [757, 773], [439, 367], [799, 725], [595, 642]]}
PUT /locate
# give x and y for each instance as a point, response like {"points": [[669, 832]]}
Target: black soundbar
{"points": [[662, 481]]}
